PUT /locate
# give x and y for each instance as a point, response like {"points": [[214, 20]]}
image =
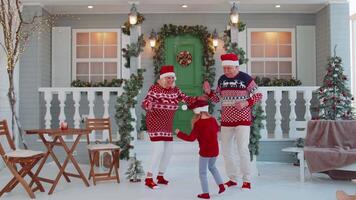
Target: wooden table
{"points": [[57, 136]]}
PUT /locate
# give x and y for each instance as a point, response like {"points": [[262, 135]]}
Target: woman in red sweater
{"points": [[161, 103], [205, 130]]}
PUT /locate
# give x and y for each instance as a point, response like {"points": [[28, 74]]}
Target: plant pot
{"points": [[135, 180], [141, 135]]}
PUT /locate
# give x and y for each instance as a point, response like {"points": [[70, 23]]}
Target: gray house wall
{"points": [[36, 65], [35, 72], [333, 28], [212, 21]]}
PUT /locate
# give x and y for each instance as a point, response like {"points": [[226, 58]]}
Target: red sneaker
{"points": [[204, 196], [230, 183], [246, 185], [161, 180], [150, 183], [221, 188]]}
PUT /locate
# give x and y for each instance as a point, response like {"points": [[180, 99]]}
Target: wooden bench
{"points": [[303, 165], [300, 156]]}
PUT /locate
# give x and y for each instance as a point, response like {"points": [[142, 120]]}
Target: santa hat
{"points": [[167, 70], [199, 106], [230, 59]]}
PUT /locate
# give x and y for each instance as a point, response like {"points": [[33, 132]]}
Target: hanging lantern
{"points": [[133, 15], [153, 38], [215, 39], [234, 14]]}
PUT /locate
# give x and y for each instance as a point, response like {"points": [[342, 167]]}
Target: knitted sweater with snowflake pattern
{"points": [[164, 101], [231, 90]]}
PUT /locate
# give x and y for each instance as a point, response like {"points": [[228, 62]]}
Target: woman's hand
{"points": [[177, 131], [206, 87], [149, 106]]}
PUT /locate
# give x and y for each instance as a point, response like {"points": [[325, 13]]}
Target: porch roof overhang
{"points": [[194, 6]]}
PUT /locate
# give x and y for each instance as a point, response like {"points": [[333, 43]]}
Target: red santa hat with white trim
{"points": [[167, 70], [199, 106], [229, 59]]}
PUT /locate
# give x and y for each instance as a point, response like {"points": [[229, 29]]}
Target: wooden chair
{"points": [[95, 149], [27, 159]]}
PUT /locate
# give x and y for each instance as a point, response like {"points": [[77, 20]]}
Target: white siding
{"points": [[306, 55], [61, 56]]}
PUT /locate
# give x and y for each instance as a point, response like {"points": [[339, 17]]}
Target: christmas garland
{"points": [[208, 50], [126, 27], [105, 83], [232, 47], [133, 50], [264, 81], [127, 100], [199, 31]]}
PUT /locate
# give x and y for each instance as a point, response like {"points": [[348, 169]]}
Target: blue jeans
{"points": [[204, 164]]}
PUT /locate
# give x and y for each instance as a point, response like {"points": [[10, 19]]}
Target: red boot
{"points": [[221, 188], [230, 183], [161, 180], [204, 196], [246, 185], [150, 183]]}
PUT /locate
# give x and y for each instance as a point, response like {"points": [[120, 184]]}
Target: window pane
{"points": [[96, 38], [287, 77], [273, 76], [109, 78], [110, 68], [285, 38], [96, 52], [285, 67], [83, 78], [83, 52], [110, 51], [257, 67], [96, 68], [83, 38], [257, 51], [271, 51], [285, 51], [82, 68], [271, 38], [257, 37], [271, 67], [95, 79], [257, 74], [110, 38]]}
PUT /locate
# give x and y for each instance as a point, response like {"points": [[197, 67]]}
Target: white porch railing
{"points": [[287, 108], [302, 95], [77, 94]]}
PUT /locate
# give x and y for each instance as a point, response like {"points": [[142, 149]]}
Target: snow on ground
{"points": [[276, 181]]}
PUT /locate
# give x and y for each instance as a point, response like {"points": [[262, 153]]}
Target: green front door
{"points": [[189, 78]]}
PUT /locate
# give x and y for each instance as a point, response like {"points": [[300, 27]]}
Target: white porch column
{"points": [[135, 63], [353, 38]]}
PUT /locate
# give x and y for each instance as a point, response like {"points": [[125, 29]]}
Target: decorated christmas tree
{"points": [[135, 170], [334, 96]]}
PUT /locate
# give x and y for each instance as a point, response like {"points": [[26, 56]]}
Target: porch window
{"points": [[96, 55], [271, 53]]}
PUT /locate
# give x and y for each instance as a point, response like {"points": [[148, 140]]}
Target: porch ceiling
{"points": [[174, 6]]}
